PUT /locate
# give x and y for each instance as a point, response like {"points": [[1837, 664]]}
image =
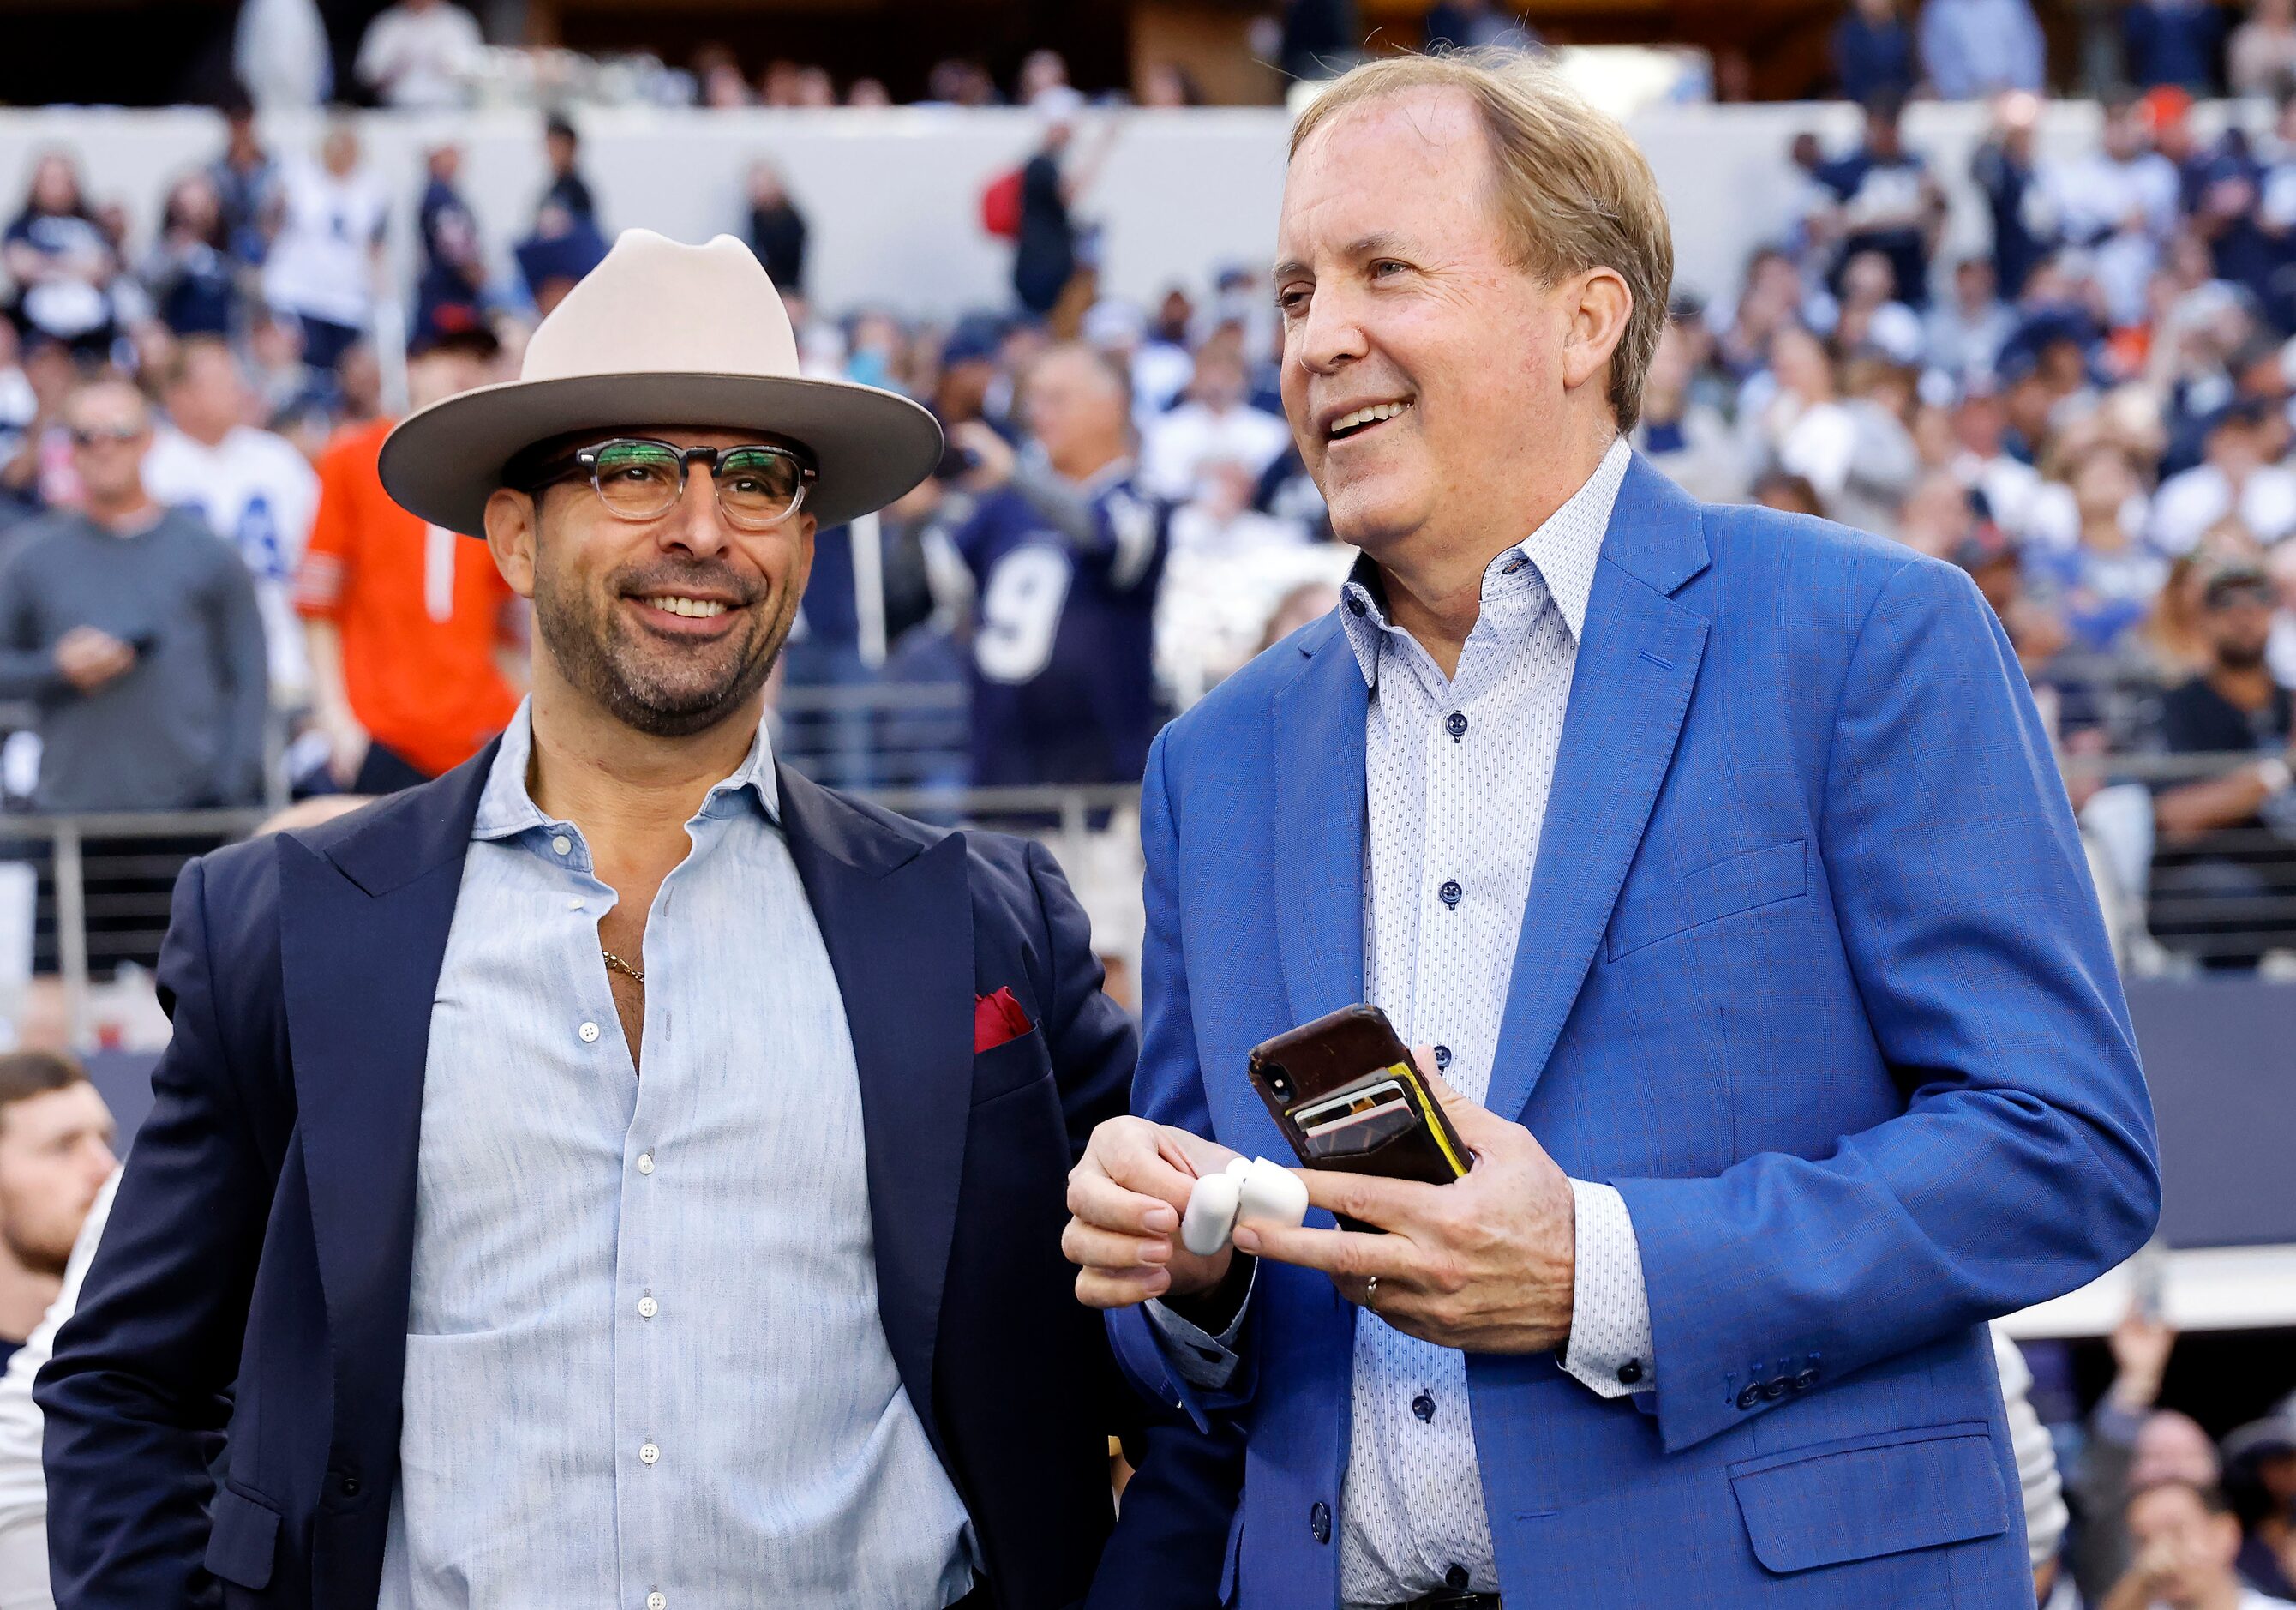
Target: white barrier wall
{"points": [[893, 196]]}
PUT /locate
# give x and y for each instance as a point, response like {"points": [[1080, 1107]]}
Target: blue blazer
{"points": [[1811, 971], [263, 1232]]}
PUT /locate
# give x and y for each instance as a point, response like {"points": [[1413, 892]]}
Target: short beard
{"points": [[48, 1262], [2239, 656], [586, 636]]}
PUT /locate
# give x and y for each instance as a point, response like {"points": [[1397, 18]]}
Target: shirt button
{"points": [[645, 1162], [1442, 1056], [589, 1033], [1450, 892], [1355, 606], [1457, 1579], [562, 844], [1423, 1405], [648, 1453], [655, 1601], [1456, 725], [1630, 1372], [648, 1308]]}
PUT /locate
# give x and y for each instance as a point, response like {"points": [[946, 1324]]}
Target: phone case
{"points": [[1354, 1046]]}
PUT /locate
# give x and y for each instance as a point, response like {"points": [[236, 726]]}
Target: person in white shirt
{"points": [[23, 1490], [327, 256], [2237, 476], [254, 488], [2120, 202], [1216, 424], [2186, 1539], [421, 53]]}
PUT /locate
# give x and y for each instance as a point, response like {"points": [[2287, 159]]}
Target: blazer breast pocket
{"points": [[1740, 882], [1015, 1065]]}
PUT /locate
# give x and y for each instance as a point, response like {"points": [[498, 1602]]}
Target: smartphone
{"points": [[1345, 1092]]}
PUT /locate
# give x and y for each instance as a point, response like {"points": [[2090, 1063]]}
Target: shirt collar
{"points": [[1560, 549], [506, 809]]}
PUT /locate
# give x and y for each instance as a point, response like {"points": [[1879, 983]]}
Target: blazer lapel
{"points": [[363, 917], [1318, 788], [896, 918], [1637, 663]]}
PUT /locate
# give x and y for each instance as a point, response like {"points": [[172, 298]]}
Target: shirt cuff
{"points": [[1610, 1348], [1196, 1355]]}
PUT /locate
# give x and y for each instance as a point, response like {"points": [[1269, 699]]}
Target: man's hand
{"points": [[2140, 1346], [87, 658], [1485, 1263], [991, 454], [1128, 1195], [347, 745]]}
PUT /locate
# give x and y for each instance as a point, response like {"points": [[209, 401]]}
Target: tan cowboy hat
{"points": [[662, 334]]}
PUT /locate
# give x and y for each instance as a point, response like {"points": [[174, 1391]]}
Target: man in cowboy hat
{"points": [[417, 1292]]}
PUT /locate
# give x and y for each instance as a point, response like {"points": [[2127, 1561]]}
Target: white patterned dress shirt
{"points": [[644, 1364], [1457, 775]]}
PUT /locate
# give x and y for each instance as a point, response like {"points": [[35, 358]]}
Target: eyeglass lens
{"points": [[641, 479]]}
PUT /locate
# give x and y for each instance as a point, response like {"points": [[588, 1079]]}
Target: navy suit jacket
{"points": [[263, 1230], [1810, 970]]}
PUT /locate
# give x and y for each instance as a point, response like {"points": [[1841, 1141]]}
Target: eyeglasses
{"points": [[637, 477], [105, 436]]}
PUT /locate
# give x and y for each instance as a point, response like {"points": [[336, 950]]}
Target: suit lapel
{"points": [[363, 918], [1318, 790], [896, 918], [1637, 661]]}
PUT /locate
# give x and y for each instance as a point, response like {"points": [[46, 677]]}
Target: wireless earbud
{"points": [[1251, 1188]]}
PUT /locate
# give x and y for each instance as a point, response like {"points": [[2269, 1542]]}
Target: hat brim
{"points": [[870, 446]]}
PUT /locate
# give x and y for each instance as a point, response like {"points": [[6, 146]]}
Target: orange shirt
{"points": [[420, 611]]}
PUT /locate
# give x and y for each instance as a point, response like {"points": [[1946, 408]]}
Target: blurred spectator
{"points": [[1854, 453], [1996, 562], [1975, 48], [246, 181], [2041, 1487], [2173, 42], [2003, 170], [325, 261], [1872, 52], [1319, 39], [2120, 204], [2259, 1480], [2185, 1539], [1168, 85], [1475, 25], [281, 56], [1687, 439], [1787, 492], [136, 632], [251, 488], [2131, 1445], [2225, 841], [1066, 555], [60, 260], [2104, 574], [1869, 317], [189, 275], [1886, 202], [567, 242], [568, 192], [419, 54], [2262, 54], [2240, 474], [24, 1582], [1044, 254], [1045, 83], [56, 1153], [868, 93], [413, 634], [955, 82], [777, 227], [1216, 424], [1967, 330], [718, 78], [449, 292]]}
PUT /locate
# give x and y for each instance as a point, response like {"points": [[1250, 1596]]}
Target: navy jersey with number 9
{"points": [[1063, 689]]}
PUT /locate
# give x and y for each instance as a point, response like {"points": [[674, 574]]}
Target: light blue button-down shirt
{"points": [[645, 1367]]}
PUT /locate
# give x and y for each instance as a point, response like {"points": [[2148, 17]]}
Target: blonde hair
{"points": [[1575, 191]]}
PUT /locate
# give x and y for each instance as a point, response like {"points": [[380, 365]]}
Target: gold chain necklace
{"points": [[616, 964]]}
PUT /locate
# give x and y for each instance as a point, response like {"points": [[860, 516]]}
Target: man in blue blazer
{"points": [[416, 1292], [1718, 864]]}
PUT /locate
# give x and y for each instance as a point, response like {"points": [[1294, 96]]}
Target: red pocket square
{"points": [[997, 1019]]}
